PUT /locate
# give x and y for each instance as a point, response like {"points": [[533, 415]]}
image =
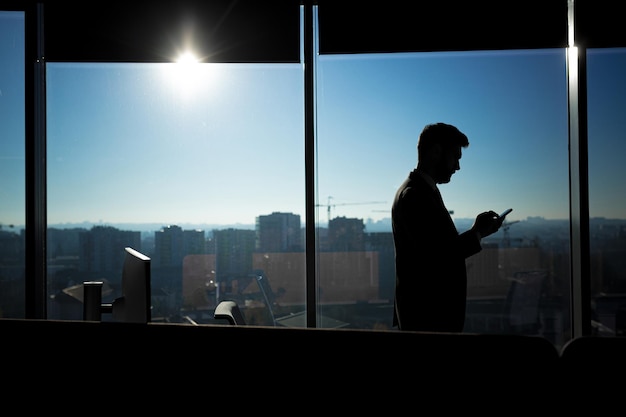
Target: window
{"points": [[234, 225], [179, 162], [606, 86], [12, 167], [513, 107]]}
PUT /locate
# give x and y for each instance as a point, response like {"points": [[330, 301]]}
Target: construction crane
{"points": [[506, 240], [330, 206]]}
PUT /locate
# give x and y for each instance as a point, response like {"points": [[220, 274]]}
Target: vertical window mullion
{"points": [[579, 185], [309, 134], [35, 229]]}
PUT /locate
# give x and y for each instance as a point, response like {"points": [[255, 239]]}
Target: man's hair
{"points": [[443, 134]]}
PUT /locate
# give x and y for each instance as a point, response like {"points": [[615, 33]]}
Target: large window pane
{"points": [[513, 107], [606, 84], [200, 167], [12, 163]]}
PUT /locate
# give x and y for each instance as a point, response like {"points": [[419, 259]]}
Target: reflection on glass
{"points": [[606, 85], [12, 165], [513, 107]]}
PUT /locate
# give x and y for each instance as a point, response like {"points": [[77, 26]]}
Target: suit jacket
{"points": [[431, 278]]}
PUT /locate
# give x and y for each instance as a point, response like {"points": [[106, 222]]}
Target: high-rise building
{"points": [[172, 244], [278, 232], [168, 247], [102, 250], [346, 234], [234, 248]]}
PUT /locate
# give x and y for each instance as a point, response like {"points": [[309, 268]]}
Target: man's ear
{"points": [[436, 152]]}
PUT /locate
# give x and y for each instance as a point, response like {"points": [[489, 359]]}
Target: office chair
{"points": [[229, 310]]}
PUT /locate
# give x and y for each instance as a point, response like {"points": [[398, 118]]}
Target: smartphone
{"points": [[505, 212]]}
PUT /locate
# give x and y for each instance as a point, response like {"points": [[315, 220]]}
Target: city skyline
{"points": [[381, 226]]}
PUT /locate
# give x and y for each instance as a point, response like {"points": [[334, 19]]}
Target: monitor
{"points": [[134, 305]]}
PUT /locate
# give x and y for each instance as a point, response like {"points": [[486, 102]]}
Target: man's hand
{"points": [[487, 223]]}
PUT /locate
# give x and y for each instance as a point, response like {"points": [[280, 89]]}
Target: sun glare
{"points": [[187, 58], [188, 75]]}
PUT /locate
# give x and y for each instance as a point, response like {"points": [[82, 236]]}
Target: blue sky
{"points": [[217, 155], [11, 119], [511, 106], [224, 143]]}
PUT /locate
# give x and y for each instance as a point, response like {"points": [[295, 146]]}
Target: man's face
{"points": [[448, 165]]}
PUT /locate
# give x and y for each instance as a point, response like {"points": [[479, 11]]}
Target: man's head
{"points": [[439, 151]]}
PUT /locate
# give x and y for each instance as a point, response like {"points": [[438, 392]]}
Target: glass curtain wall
{"points": [[202, 168], [513, 107], [12, 165], [606, 91], [199, 167]]}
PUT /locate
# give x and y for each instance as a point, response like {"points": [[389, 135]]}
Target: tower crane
{"points": [[506, 240], [330, 206]]}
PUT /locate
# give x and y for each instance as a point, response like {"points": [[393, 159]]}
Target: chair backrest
{"points": [[229, 310]]}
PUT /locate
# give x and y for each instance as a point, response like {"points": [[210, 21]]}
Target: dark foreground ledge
{"points": [[222, 361]]}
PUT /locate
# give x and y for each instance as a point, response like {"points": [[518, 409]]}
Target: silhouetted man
{"points": [[431, 279]]}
